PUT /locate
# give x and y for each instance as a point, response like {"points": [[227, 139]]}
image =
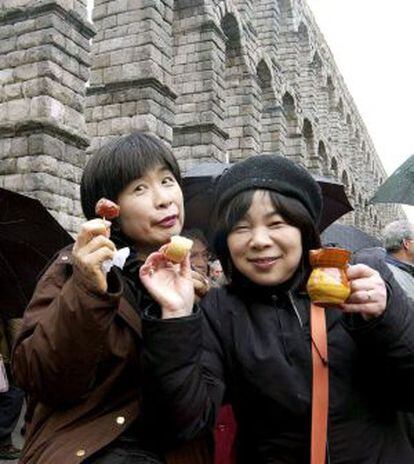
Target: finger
{"points": [[363, 296], [153, 261], [97, 242], [359, 271], [93, 261], [90, 229], [362, 284], [359, 308], [185, 267]]}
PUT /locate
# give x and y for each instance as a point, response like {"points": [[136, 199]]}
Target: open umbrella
{"points": [[29, 237], [399, 187], [198, 186], [349, 237]]}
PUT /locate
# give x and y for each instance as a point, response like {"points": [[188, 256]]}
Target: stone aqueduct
{"points": [[215, 79]]}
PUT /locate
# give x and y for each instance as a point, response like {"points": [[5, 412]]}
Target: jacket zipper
{"points": [[295, 309]]}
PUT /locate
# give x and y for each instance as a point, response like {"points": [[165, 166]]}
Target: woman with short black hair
{"points": [[79, 353]]}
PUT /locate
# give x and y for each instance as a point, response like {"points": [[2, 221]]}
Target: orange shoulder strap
{"points": [[320, 385]]}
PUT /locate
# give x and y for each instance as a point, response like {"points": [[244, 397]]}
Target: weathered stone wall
{"points": [[44, 66], [215, 79]]}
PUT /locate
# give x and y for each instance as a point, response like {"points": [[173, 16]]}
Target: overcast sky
{"points": [[373, 45]]}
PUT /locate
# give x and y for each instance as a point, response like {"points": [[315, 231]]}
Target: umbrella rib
{"points": [[7, 223]]}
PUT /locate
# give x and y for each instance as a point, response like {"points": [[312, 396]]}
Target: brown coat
{"points": [[77, 358]]}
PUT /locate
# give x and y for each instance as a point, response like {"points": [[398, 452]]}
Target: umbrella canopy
{"points": [[198, 187], [399, 187], [349, 237], [29, 237]]}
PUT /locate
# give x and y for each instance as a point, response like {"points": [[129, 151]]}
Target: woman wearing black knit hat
{"points": [[250, 341]]}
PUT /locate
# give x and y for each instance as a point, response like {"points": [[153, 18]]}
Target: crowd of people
{"points": [[209, 360]]}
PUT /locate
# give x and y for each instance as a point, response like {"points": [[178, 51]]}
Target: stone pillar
{"points": [[268, 19], [44, 66], [131, 82], [199, 64]]}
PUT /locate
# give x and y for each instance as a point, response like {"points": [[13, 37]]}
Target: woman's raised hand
{"points": [[368, 292], [169, 284], [92, 247]]}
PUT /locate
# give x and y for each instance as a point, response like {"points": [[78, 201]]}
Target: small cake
{"points": [[178, 248]]}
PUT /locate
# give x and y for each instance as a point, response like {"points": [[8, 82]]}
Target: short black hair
{"points": [[118, 163], [291, 210]]}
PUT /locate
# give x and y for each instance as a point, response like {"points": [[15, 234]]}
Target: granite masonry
{"points": [[215, 79]]}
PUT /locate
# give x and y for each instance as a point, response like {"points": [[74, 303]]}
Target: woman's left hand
{"points": [[169, 284], [368, 292]]}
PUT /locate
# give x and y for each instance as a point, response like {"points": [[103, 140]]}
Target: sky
{"points": [[372, 42]]}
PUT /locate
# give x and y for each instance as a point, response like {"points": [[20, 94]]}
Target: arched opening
{"points": [[293, 146], [345, 181], [268, 110], [334, 168], [230, 28], [308, 138]]}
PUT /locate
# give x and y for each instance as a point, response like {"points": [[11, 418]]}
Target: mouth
{"points": [[168, 221], [264, 263]]}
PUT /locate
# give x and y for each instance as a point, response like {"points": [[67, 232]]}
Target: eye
{"points": [[168, 180], [240, 228], [139, 188], [276, 224]]}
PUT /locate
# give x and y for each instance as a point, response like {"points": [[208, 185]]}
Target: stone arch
{"points": [[309, 145], [292, 135], [331, 91], [340, 107], [345, 180], [303, 34], [230, 27], [323, 158], [269, 139], [334, 167]]}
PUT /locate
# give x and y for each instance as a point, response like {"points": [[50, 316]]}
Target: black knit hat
{"points": [[271, 172]]}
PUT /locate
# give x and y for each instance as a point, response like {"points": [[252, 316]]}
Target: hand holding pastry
{"points": [[167, 276], [92, 247]]}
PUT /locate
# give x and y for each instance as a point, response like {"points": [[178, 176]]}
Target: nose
{"points": [[162, 197], [260, 238]]}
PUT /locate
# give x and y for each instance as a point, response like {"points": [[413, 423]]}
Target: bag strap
{"points": [[320, 385]]}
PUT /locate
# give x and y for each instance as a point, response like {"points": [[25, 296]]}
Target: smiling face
{"points": [[152, 209], [262, 246]]}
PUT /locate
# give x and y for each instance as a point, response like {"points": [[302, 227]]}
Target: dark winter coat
{"points": [[257, 352], [79, 359]]}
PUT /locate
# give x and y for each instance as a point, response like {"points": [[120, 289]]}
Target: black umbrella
{"points": [[399, 187], [349, 237], [29, 237], [199, 187]]}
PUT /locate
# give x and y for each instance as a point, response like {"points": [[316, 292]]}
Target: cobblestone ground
{"points": [[17, 438]]}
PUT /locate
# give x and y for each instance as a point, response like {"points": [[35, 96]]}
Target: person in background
{"points": [[79, 353], [216, 273], [199, 259], [251, 341], [11, 401], [398, 239]]}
